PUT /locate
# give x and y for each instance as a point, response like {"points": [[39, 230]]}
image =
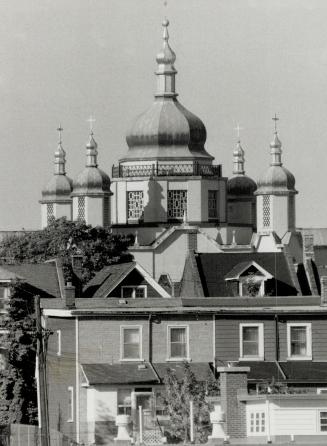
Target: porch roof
{"points": [[201, 370], [263, 370], [305, 371], [125, 373]]}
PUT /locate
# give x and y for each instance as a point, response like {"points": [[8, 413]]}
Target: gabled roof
{"points": [[242, 267], [111, 276], [41, 276], [213, 268]]}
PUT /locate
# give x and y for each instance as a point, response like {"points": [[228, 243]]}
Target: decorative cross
{"points": [[275, 119], [60, 130], [238, 128], [91, 120]]}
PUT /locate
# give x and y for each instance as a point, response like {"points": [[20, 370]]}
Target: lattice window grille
{"points": [[81, 208], [177, 203], [266, 211], [135, 204], [106, 212], [50, 213], [212, 204], [257, 422]]}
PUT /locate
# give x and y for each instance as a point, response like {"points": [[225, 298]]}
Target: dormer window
{"points": [[133, 292], [249, 279]]}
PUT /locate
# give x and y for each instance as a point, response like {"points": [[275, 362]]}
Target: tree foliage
{"points": [[18, 401], [62, 239], [179, 392]]}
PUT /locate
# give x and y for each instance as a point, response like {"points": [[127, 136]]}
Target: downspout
{"points": [[277, 347], [214, 343]]}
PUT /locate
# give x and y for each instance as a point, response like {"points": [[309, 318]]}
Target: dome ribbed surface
{"points": [[276, 180], [91, 181], [241, 185], [167, 130], [59, 187]]}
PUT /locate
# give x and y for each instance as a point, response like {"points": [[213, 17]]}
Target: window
{"points": [[257, 422], [58, 332], [177, 203], [50, 213], [212, 204], [124, 402], [133, 292], [70, 404], [323, 421], [321, 390], [299, 341], [131, 343], [135, 207], [80, 208], [178, 343], [266, 211], [251, 342]]}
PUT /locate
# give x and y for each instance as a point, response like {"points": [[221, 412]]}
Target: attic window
{"points": [[252, 285], [133, 292], [250, 278]]}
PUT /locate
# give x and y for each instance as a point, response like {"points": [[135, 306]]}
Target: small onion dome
{"points": [[91, 181], [241, 185], [167, 130], [59, 188], [277, 180]]}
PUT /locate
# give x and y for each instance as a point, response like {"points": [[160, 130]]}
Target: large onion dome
{"points": [[167, 129], [276, 180], [239, 183], [60, 185], [92, 180]]}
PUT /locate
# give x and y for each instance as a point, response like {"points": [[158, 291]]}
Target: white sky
{"points": [[237, 61]]}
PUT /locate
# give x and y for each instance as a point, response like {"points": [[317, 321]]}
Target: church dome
{"points": [[276, 179], [59, 187], [241, 185], [92, 180], [166, 129]]}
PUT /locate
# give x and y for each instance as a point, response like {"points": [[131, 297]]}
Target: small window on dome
{"points": [[50, 213], [81, 208], [266, 211]]}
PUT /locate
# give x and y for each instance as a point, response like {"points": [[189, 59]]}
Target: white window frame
{"points": [[122, 328], [181, 358], [58, 342], [319, 421], [257, 279], [321, 390], [261, 347], [134, 287], [308, 327], [71, 408], [261, 416]]}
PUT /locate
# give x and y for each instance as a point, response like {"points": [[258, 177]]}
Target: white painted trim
{"points": [[56, 312], [321, 390], [70, 418], [261, 355], [169, 357], [58, 342], [264, 272], [124, 327], [134, 287], [308, 356]]}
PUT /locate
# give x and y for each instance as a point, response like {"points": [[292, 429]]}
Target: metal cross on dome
{"points": [[238, 129], [91, 120], [275, 118], [60, 130]]}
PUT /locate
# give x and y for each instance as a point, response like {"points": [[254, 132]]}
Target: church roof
{"points": [[241, 185], [58, 188]]}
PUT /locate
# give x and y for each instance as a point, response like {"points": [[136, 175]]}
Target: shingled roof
{"points": [[214, 267]]}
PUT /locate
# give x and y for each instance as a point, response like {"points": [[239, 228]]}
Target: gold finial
{"points": [[275, 118], [91, 120], [238, 129], [60, 130]]}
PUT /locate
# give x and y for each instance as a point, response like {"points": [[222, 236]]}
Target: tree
{"points": [[178, 394], [18, 401], [63, 238]]}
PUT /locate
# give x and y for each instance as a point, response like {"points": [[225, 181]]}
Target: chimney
{"points": [[69, 295], [308, 247], [323, 283]]}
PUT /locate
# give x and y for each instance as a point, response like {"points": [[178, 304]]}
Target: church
{"points": [[168, 192]]}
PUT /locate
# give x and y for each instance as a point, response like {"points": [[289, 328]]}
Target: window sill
{"points": [[178, 359], [131, 360], [299, 358], [251, 358], [70, 421]]}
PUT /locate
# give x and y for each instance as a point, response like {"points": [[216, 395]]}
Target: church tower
{"points": [[56, 201], [240, 189], [91, 190], [167, 177], [276, 194]]}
